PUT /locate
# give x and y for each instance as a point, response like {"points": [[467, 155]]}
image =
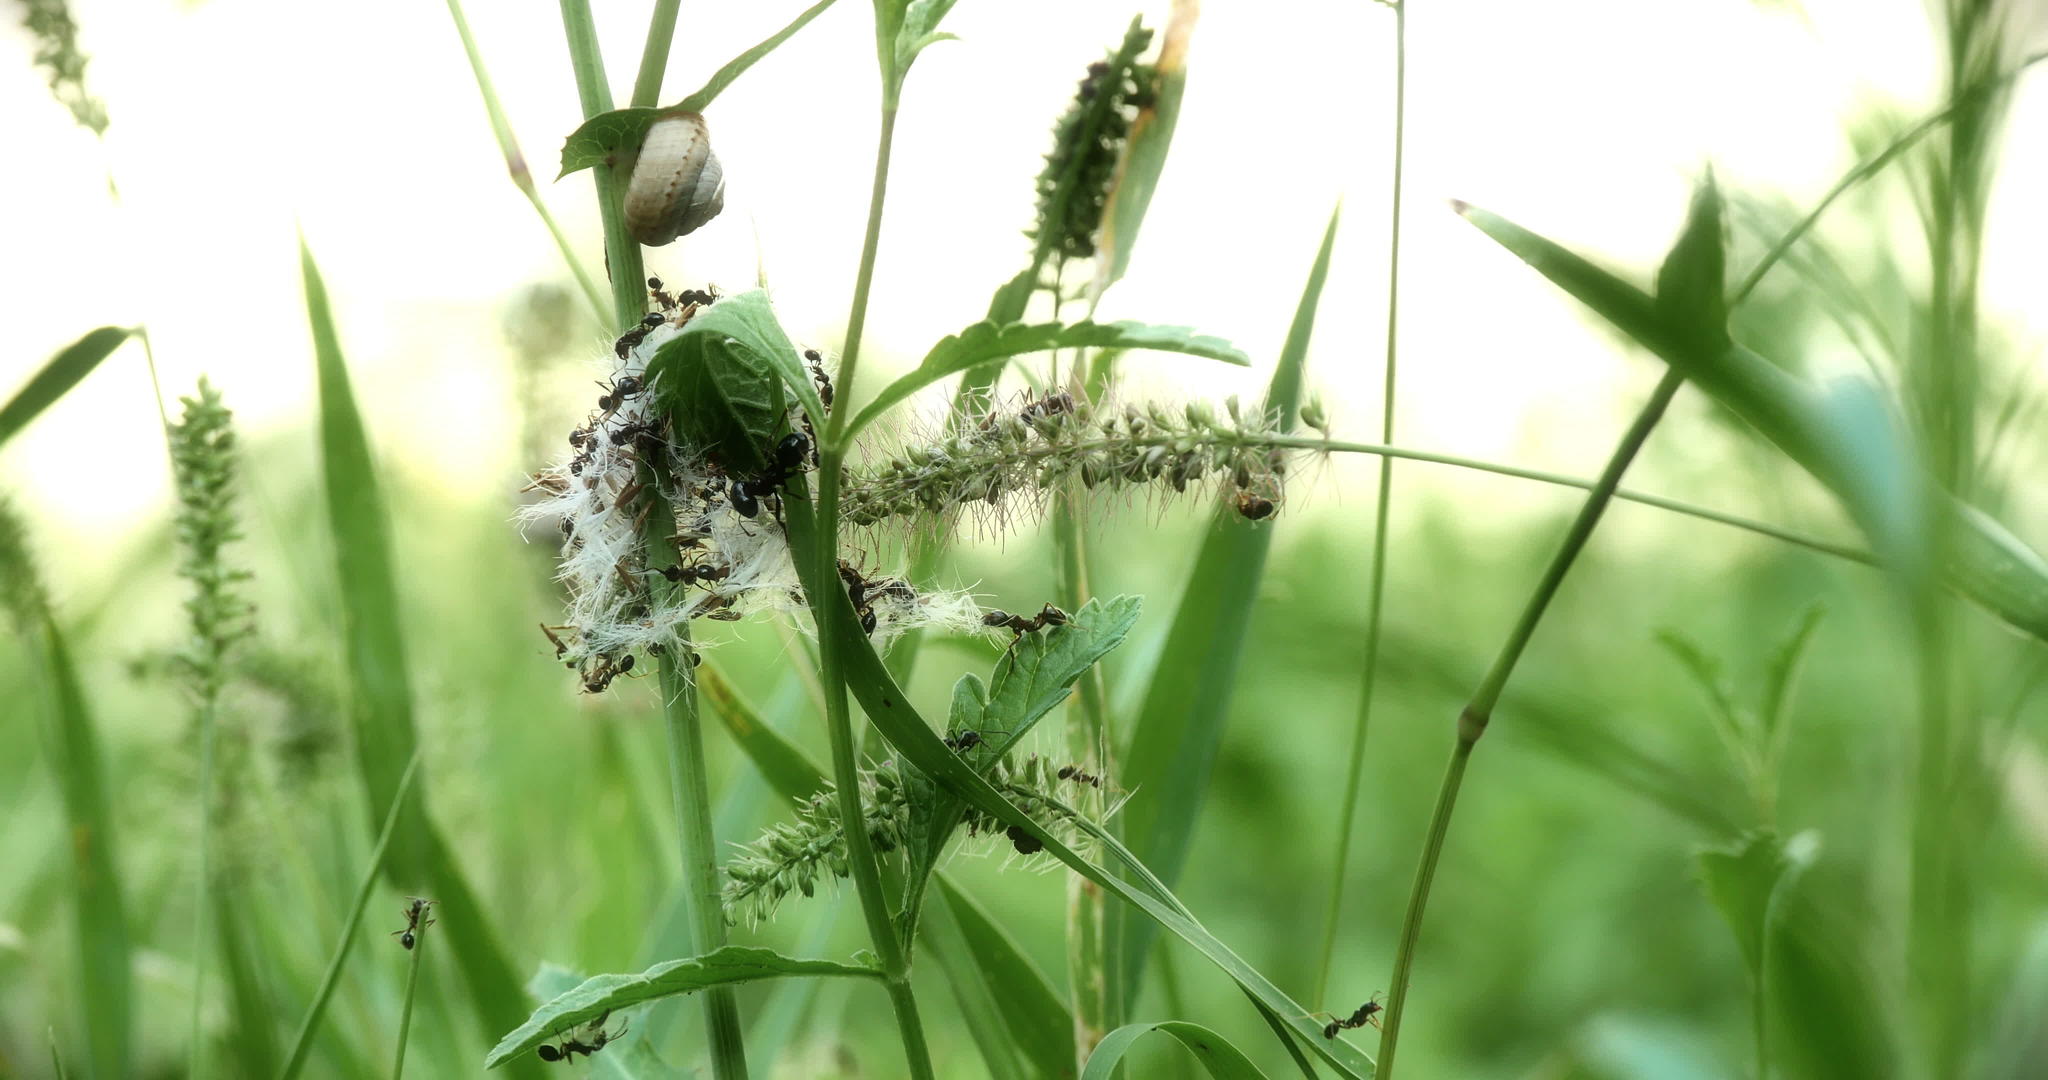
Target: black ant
{"points": [[629, 339], [599, 677], [746, 495], [967, 740], [1253, 506], [1362, 1017], [1047, 616], [1025, 843], [700, 573], [1079, 776], [616, 394], [824, 381], [705, 296], [414, 913], [626, 433], [572, 1045]]}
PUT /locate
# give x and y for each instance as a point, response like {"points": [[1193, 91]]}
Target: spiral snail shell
{"points": [[677, 183]]}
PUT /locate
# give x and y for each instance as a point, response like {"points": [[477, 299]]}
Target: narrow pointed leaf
{"points": [[374, 646], [785, 766], [64, 371], [976, 991], [1037, 1020], [985, 341], [1216, 1054], [1175, 739], [600, 994], [1145, 150]]}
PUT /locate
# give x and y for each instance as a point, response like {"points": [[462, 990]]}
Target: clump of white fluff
{"points": [[600, 493]]}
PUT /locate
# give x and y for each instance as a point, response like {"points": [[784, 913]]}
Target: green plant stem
{"points": [[1478, 711], [207, 715], [860, 852], [628, 273], [412, 981], [1354, 779], [304, 1042], [661, 32], [515, 165]]}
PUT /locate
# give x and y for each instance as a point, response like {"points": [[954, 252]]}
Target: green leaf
{"points": [[600, 994], [1826, 997], [1740, 880], [64, 371], [978, 992], [1707, 675], [785, 766], [1782, 671], [630, 1057], [1829, 438], [1176, 736], [892, 714], [2017, 1043], [919, 30], [1144, 158], [717, 379], [104, 973], [597, 139], [1217, 1055], [1692, 291], [381, 688], [1034, 1015], [985, 341]]}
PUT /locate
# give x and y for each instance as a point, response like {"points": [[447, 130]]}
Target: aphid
{"points": [[1362, 1017], [1253, 506], [414, 911], [1025, 843], [573, 1045], [677, 183]]}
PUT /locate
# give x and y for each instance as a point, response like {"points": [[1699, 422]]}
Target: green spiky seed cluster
{"points": [[203, 464], [1087, 142]]}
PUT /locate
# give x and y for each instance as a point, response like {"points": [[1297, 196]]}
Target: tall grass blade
{"points": [[374, 641], [785, 766], [1032, 1013], [64, 371], [975, 992], [1175, 738]]}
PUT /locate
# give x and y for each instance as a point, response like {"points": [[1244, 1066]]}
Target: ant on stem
{"points": [[1359, 1019], [415, 911], [746, 495]]}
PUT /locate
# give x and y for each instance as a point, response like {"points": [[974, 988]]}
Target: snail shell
{"points": [[677, 183]]}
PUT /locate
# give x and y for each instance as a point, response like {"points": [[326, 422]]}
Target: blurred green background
{"points": [[1569, 935]]}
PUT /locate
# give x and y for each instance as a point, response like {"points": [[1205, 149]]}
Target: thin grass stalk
{"points": [[515, 164], [1354, 779], [866, 872], [1478, 711], [629, 295], [318, 1009], [412, 981], [661, 33], [207, 715]]}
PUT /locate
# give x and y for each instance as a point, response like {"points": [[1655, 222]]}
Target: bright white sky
{"points": [[237, 122]]}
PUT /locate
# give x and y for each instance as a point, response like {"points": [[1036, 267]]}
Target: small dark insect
{"points": [[963, 741], [624, 346], [706, 295], [615, 395], [573, 1045], [700, 573], [1362, 1017], [1047, 616], [414, 911], [1025, 843], [662, 299], [626, 433], [824, 381], [1080, 776], [598, 676], [1253, 506], [746, 495]]}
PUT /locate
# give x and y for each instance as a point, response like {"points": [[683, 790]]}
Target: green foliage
{"points": [[986, 341], [601, 994], [1174, 742], [1215, 1053], [49, 22], [597, 140], [717, 380], [64, 371]]}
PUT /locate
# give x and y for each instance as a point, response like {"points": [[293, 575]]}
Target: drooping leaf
{"points": [[64, 371], [1215, 1053], [985, 341], [374, 646], [629, 1057], [1036, 1019], [892, 714], [781, 762], [1187, 701], [598, 138], [600, 994], [1829, 439], [721, 379]]}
